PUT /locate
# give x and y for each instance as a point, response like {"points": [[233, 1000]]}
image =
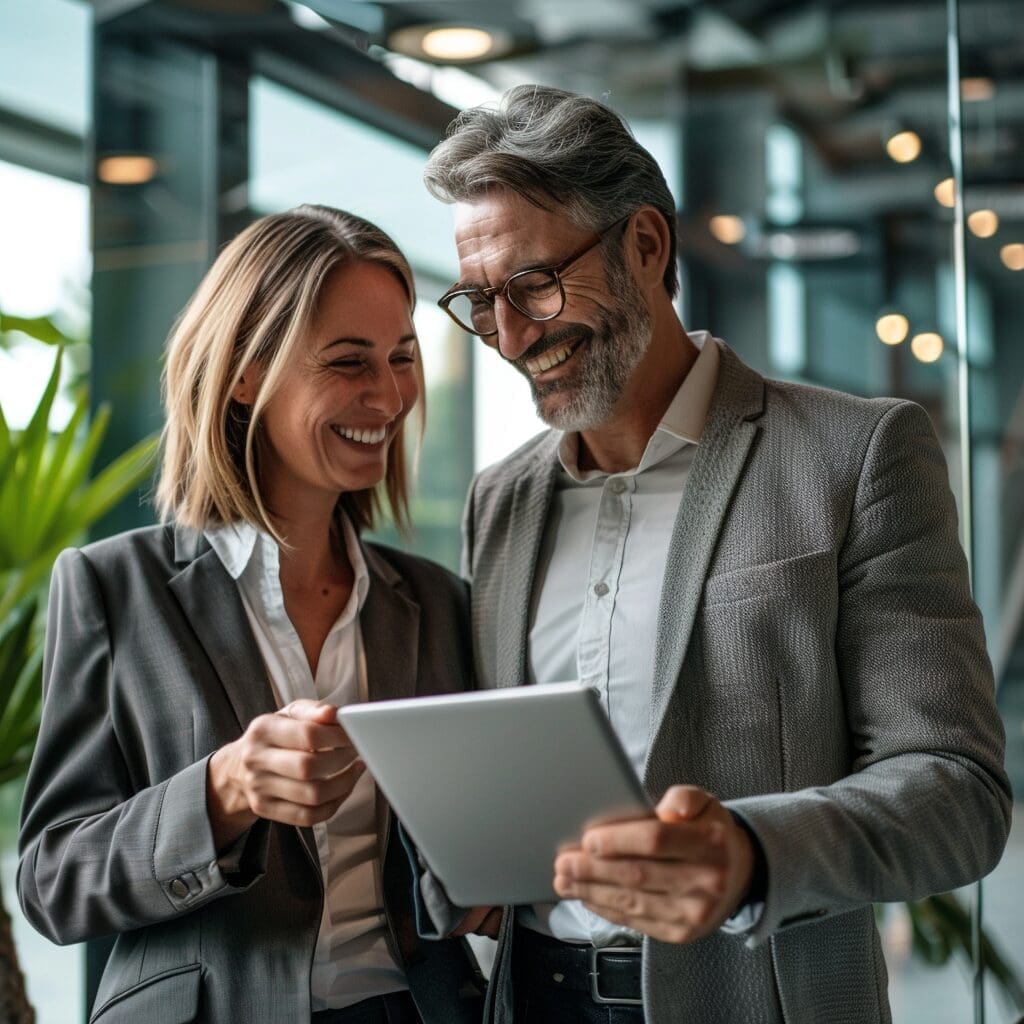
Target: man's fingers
{"points": [[645, 875], [683, 803], [679, 931], [654, 839]]}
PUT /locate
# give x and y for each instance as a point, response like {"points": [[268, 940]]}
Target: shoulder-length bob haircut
{"points": [[254, 307]]}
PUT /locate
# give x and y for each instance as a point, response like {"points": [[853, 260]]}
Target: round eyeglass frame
{"points": [[490, 295]]}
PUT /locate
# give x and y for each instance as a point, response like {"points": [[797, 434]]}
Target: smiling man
{"points": [[762, 579]]}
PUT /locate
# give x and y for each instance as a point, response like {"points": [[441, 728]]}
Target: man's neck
{"points": [[619, 444]]}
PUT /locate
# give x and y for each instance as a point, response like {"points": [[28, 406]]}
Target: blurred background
{"points": [[849, 178]]}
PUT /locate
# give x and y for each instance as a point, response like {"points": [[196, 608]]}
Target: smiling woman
{"points": [[223, 644]]}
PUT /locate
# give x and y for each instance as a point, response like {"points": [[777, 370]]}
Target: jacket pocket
{"points": [[168, 998]]}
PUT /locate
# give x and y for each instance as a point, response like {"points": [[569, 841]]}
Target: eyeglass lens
{"points": [[535, 294]]}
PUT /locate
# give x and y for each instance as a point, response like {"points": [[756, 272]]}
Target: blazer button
{"points": [[179, 888]]}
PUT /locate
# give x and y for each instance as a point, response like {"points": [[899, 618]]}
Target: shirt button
{"points": [[600, 589], [617, 486], [179, 888]]}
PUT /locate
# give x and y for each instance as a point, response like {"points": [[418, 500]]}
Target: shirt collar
{"points": [[682, 424], [242, 545]]}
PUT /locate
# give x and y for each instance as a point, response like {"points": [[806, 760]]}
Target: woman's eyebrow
{"points": [[365, 342]]}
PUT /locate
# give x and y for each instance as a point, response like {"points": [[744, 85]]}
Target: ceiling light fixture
{"points": [[892, 328], [1012, 256], [126, 169], [904, 147], [983, 223], [927, 347], [450, 44], [727, 228], [944, 193]]}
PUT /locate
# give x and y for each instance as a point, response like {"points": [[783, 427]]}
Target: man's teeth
{"points": [[549, 359], [363, 436]]}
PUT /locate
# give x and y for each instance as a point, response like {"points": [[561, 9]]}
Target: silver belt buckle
{"points": [[595, 990]]}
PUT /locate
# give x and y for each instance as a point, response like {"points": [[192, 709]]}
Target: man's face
{"points": [[579, 363]]}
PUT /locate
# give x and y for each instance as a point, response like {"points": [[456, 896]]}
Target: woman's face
{"points": [[329, 426]]}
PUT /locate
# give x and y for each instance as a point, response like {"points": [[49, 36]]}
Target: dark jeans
{"points": [[540, 999], [394, 1008]]}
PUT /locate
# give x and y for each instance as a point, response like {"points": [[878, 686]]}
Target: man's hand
{"points": [[480, 921], [676, 877], [296, 766]]}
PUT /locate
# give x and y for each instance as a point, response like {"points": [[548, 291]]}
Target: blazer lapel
{"points": [[211, 603], [390, 625], [717, 467], [531, 501]]}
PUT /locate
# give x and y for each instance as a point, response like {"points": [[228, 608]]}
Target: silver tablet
{"points": [[490, 784]]}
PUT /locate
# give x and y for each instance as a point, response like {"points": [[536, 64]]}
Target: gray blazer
{"points": [[821, 667], [150, 666]]}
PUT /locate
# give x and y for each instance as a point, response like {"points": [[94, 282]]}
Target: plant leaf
{"points": [[42, 328]]}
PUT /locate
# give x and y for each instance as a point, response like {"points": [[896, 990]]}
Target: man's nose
{"points": [[516, 331]]}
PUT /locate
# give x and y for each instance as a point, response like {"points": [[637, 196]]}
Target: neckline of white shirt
{"points": [[682, 424], [242, 545]]}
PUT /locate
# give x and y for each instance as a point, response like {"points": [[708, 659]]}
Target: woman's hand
{"points": [[296, 766]]}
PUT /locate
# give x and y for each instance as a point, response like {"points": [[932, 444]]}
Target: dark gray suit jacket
{"points": [[820, 667], [151, 666]]}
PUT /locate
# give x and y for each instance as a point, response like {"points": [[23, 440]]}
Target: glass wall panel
{"points": [[991, 58], [305, 152]]}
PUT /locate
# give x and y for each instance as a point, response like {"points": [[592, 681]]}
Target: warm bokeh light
{"points": [[727, 228], [974, 90], [927, 347], [983, 223], [1012, 256], [892, 328], [126, 170], [904, 147], [457, 43], [944, 192]]}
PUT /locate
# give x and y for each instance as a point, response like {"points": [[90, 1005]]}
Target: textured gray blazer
{"points": [[150, 666], [820, 666]]}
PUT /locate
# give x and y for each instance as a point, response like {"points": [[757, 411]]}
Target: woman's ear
{"points": [[244, 392], [648, 241]]}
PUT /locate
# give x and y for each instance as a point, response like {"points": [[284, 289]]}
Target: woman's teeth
{"points": [[549, 359], [363, 436]]}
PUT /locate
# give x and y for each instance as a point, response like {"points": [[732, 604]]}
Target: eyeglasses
{"points": [[538, 294]]}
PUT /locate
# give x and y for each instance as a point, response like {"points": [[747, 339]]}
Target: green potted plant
{"points": [[48, 500]]}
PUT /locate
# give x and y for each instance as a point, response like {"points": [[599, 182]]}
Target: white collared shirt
{"points": [[352, 961], [594, 607]]}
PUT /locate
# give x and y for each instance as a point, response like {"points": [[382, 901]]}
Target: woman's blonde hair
{"points": [[255, 306]]}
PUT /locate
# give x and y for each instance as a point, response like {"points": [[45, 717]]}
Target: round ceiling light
{"points": [[983, 223], [1012, 256], [904, 147], [450, 44], [927, 347], [944, 193], [892, 328], [727, 228]]}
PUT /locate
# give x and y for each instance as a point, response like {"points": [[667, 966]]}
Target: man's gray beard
{"points": [[611, 355]]}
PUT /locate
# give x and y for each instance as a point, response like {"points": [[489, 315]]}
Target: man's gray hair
{"points": [[555, 149]]}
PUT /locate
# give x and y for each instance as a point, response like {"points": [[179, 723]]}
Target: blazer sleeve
{"points": [[100, 853], [927, 805]]}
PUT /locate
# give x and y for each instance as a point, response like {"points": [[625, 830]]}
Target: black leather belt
{"points": [[611, 974]]}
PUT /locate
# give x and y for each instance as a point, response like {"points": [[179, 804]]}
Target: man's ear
{"points": [[648, 244]]}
